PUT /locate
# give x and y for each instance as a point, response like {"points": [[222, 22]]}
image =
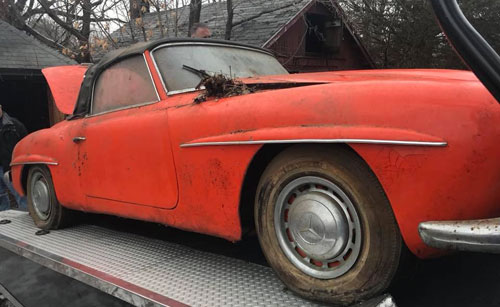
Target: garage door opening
{"points": [[25, 98]]}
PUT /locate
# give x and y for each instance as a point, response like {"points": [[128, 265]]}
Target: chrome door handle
{"points": [[79, 139]]}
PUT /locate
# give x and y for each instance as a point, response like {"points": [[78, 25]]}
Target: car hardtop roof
{"points": [[139, 48], [82, 106]]}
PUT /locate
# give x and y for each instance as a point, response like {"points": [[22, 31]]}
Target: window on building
{"points": [[324, 34], [124, 84]]}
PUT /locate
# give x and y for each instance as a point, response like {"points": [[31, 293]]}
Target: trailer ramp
{"points": [[150, 272]]}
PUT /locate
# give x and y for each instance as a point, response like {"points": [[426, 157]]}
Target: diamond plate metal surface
{"points": [[142, 270]]}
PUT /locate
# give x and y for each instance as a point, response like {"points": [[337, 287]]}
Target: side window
{"points": [[126, 83]]}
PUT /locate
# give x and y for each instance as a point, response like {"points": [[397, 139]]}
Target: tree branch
{"points": [[60, 22], [75, 17], [20, 23], [43, 38], [229, 21]]}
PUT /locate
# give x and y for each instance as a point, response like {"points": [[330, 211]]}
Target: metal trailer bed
{"points": [[149, 272]]}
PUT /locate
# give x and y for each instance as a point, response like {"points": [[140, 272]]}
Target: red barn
{"points": [[306, 35]]}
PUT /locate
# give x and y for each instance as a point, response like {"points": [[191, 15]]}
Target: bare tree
{"points": [[404, 33], [176, 25], [229, 21], [159, 6], [138, 8], [194, 13], [73, 22]]}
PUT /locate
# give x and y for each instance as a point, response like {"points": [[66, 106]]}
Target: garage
{"points": [[22, 85]]}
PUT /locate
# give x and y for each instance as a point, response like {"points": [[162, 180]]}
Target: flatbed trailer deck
{"points": [[149, 272]]}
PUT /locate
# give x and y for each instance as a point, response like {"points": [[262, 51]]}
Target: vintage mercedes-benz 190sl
{"points": [[337, 169]]}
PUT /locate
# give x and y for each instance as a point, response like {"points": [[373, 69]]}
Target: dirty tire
{"points": [[380, 247], [43, 206]]}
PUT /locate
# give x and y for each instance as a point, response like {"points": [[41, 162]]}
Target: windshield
{"points": [[234, 61]]}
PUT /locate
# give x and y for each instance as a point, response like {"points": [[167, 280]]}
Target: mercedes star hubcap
{"points": [[318, 227]]}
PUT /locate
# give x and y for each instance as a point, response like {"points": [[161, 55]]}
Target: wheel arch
{"points": [[25, 170], [24, 177], [250, 181], [379, 254], [257, 167]]}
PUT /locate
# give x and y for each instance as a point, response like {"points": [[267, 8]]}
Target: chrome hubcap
{"points": [[40, 196], [318, 227]]}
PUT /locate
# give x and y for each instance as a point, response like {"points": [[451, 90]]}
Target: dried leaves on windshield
{"points": [[221, 86]]}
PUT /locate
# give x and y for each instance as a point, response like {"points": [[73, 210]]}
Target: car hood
{"points": [[64, 83]]}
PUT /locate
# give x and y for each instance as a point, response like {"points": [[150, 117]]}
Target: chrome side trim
{"points": [[188, 90], [472, 235], [158, 70], [35, 162], [123, 108], [319, 141]]}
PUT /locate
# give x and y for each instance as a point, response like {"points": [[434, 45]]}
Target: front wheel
{"points": [[43, 206], [326, 226]]}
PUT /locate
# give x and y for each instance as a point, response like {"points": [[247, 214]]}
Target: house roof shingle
{"points": [[270, 17], [21, 51]]}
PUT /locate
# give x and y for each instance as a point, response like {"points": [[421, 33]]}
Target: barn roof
{"points": [[256, 22], [21, 51], [265, 18]]}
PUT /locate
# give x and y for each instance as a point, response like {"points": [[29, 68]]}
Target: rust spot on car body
{"points": [[241, 131]]}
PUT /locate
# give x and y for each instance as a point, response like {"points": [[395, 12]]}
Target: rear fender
{"points": [[354, 136]]}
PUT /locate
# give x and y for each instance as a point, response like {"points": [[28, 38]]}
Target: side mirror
{"points": [[469, 44]]}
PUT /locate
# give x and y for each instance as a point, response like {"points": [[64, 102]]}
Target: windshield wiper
{"points": [[199, 72]]}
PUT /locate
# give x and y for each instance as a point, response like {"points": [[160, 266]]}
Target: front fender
{"points": [[18, 164], [53, 147]]}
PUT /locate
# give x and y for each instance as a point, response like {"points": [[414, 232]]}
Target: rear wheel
{"points": [[43, 206], [326, 226]]}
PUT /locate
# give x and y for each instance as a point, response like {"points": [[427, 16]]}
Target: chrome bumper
{"points": [[473, 235]]}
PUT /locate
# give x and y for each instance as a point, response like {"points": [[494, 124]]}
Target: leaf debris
{"points": [[221, 86]]}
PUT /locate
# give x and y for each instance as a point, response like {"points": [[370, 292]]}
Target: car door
{"points": [[126, 152]]}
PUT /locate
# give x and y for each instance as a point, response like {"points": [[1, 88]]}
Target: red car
{"points": [[337, 169]]}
